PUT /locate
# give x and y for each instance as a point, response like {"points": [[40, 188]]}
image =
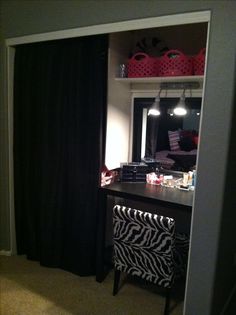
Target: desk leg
{"points": [[102, 210]]}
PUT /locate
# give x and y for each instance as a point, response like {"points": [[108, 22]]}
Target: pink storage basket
{"points": [[199, 62], [142, 65], [175, 63]]}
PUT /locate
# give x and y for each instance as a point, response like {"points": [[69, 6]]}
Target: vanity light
{"points": [[180, 109], [155, 109]]}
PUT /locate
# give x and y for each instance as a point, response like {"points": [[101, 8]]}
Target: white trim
{"points": [[131, 130], [161, 21], [188, 78], [5, 253], [144, 132]]}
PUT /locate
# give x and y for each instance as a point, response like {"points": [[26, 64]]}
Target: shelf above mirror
{"points": [[194, 78], [151, 84]]}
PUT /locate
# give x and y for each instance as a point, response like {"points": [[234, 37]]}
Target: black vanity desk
{"points": [[161, 196]]}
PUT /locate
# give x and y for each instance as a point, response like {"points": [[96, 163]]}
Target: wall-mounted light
{"points": [[155, 109], [180, 109]]}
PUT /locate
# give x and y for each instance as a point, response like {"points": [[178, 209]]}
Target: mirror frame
{"points": [[144, 103]]}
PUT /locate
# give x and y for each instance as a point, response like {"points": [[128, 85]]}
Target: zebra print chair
{"points": [[145, 246]]}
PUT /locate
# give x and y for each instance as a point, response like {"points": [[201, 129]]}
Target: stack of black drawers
{"points": [[134, 172]]}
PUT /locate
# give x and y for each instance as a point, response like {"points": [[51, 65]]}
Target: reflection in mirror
{"points": [[169, 140]]}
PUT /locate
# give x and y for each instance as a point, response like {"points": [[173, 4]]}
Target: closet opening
{"points": [[120, 119]]}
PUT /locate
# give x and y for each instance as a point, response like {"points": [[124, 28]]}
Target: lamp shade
{"points": [[155, 109], [180, 109]]}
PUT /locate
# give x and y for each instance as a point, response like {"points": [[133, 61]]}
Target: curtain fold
{"points": [[60, 90], [151, 136]]}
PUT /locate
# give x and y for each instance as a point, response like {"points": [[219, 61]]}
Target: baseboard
{"points": [[5, 253]]}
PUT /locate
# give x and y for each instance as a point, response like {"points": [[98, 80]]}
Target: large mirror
{"points": [[169, 140]]}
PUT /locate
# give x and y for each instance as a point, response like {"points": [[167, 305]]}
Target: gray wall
{"points": [[227, 239], [211, 230]]}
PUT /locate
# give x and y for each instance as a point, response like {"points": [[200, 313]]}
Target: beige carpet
{"points": [[26, 288]]}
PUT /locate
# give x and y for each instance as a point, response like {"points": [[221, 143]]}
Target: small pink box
{"points": [[152, 178]]}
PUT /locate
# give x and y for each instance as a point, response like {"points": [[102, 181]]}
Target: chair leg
{"points": [[167, 304], [116, 281]]}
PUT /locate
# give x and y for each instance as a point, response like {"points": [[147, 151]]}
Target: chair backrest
{"points": [[143, 245]]}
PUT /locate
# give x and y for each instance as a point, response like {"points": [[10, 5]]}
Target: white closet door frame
{"points": [[169, 20], [10, 43]]}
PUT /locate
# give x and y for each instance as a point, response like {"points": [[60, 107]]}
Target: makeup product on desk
{"points": [[185, 179]]}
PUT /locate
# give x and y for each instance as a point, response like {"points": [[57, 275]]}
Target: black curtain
{"points": [[137, 130], [151, 135], [59, 119]]}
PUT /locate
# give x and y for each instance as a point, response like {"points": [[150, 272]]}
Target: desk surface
{"points": [[154, 193]]}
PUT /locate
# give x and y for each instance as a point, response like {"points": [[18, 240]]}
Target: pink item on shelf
{"points": [[199, 62], [175, 63], [142, 65]]}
